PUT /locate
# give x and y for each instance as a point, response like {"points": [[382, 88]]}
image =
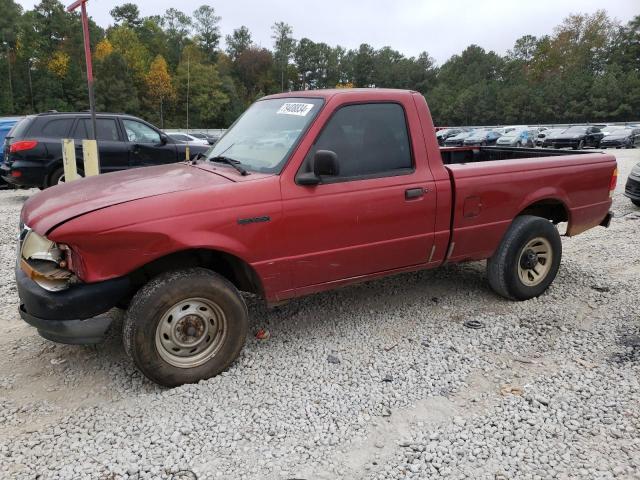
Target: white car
{"points": [[186, 138]]}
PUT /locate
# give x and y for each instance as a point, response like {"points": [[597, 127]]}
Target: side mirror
{"points": [[164, 139], [325, 164]]}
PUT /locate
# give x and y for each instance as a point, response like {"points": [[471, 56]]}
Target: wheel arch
{"points": [[243, 276], [552, 209]]}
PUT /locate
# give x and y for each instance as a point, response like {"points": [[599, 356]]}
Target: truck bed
{"points": [[488, 192], [455, 155]]}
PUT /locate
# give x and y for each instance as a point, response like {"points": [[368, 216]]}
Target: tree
{"points": [[254, 67], [207, 29], [199, 91], [126, 14], [177, 26], [284, 45], [159, 85], [115, 87], [238, 42], [126, 42]]}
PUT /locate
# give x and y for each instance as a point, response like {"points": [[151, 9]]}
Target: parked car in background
{"points": [[443, 135], [6, 125], [517, 138], [632, 188], [33, 154], [208, 137], [457, 140], [576, 137], [482, 137], [187, 138], [609, 129], [621, 138], [547, 133]]}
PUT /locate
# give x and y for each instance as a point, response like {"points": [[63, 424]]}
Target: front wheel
{"points": [[581, 145], [527, 259], [185, 326]]}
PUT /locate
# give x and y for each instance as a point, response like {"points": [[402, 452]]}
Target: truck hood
{"points": [[54, 206]]}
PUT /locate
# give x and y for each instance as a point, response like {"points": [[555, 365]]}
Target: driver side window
{"points": [[140, 133], [369, 140]]}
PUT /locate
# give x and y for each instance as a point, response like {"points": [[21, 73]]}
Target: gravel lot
{"points": [[379, 380]]}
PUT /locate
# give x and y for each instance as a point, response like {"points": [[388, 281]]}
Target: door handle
{"points": [[413, 193]]}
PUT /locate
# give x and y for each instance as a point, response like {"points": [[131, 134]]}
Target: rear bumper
{"points": [[31, 175], [74, 315], [571, 143], [613, 144]]}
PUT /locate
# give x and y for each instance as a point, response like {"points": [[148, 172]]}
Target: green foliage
{"points": [[161, 66]]}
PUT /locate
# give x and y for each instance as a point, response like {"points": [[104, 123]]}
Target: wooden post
{"points": [[90, 156], [186, 153], [69, 160]]}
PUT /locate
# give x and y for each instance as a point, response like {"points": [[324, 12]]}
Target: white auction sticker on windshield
{"points": [[300, 109]]}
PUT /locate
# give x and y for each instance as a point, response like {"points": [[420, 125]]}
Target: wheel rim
{"points": [[534, 261], [191, 332]]}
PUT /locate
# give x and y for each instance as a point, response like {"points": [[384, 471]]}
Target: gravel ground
{"points": [[375, 381]]}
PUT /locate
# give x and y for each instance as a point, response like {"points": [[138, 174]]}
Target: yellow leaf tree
{"points": [[159, 85], [104, 48], [59, 64]]}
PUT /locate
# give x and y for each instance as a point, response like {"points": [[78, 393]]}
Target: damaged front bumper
{"points": [[75, 315]]}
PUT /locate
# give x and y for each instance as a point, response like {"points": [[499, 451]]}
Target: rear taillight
{"points": [[22, 145], [613, 182]]}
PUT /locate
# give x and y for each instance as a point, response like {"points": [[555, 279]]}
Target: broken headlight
{"points": [[44, 261]]}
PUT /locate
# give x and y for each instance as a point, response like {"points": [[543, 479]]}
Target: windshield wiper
{"points": [[230, 161]]}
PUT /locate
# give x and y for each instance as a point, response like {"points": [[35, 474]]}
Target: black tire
{"points": [[157, 298], [635, 202], [503, 266], [519, 144], [581, 145], [56, 175]]}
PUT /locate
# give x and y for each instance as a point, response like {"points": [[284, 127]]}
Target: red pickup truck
{"points": [[306, 192]]}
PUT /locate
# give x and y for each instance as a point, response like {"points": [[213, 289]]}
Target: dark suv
{"points": [[33, 149]]}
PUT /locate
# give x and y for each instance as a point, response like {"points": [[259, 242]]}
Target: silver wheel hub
{"points": [[191, 332], [534, 261]]}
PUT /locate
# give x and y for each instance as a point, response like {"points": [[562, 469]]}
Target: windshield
{"points": [[576, 130], [264, 136], [513, 133], [479, 134], [461, 135], [20, 128], [620, 132]]}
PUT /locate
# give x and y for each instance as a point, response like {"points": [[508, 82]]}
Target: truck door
{"points": [[378, 213], [146, 146]]}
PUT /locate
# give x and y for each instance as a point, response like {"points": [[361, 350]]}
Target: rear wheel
{"points": [[185, 326], [527, 259], [57, 177]]}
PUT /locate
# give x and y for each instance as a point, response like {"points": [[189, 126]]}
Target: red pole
{"points": [[87, 56]]}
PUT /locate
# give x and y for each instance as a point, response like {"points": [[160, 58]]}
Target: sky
{"points": [[440, 27]]}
